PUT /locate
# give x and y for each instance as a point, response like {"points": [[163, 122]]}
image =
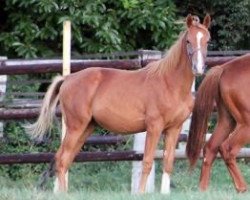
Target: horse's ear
{"points": [[207, 21], [189, 20]]}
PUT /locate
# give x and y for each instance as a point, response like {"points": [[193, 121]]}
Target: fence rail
{"points": [[31, 158], [35, 158], [19, 67], [15, 67]]}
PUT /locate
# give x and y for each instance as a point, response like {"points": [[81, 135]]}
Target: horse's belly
{"points": [[120, 124]]}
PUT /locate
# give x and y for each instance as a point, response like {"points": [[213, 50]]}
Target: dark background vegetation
{"points": [[33, 29]]}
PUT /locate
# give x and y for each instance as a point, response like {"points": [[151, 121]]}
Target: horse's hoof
{"points": [[241, 190], [203, 188]]}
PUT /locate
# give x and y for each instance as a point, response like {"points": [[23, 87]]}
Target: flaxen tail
{"points": [[45, 119], [203, 107]]}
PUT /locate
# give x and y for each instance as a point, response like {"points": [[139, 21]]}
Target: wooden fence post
{"points": [[3, 82], [139, 143], [65, 71]]}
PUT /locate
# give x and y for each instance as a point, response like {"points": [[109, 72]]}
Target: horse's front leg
{"points": [[170, 140], [152, 138]]}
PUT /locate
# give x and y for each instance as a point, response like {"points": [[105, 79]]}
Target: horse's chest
{"points": [[179, 112]]}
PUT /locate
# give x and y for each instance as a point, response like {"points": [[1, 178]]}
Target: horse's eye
{"points": [[188, 42]]}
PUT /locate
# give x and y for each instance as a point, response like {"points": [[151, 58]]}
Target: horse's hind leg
{"points": [[221, 132], [229, 150], [75, 137]]}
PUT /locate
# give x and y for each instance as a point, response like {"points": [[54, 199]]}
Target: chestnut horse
{"points": [[156, 98], [228, 85]]}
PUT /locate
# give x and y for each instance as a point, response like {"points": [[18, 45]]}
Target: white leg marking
{"points": [[56, 186], [200, 61], [165, 183]]}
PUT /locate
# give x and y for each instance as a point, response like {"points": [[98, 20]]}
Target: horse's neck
{"points": [[180, 77]]}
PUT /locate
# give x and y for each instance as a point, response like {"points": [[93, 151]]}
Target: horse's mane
{"points": [[170, 60], [172, 57]]}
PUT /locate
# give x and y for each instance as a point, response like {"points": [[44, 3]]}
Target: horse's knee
{"points": [[228, 154], [209, 154], [225, 151], [168, 167], [229, 159], [147, 166]]}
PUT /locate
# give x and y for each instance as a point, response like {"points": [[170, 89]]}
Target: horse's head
{"points": [[197, 38]]}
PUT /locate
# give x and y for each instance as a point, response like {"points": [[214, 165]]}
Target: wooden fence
{"points": [[15, 67], [20, 67]]}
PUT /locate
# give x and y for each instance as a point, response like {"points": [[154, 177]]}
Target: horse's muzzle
{"points": [[198, 71]]}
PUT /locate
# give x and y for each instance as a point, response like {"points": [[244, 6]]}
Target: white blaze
{"points": [[200, 61], [165, 183]]}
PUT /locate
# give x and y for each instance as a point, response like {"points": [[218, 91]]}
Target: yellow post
{"points": [[66, 58], [66, 47], [66, 67], [65, 71]]}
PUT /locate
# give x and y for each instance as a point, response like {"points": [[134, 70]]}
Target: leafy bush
{"points": [[97, 26], [230, 21]]}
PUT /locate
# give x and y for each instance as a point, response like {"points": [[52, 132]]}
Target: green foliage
{"points": [[34, 28], [231, 25], [230, 28], [16, 141]]}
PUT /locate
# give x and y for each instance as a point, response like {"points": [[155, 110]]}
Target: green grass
{"points": [[13, 194], [111, 180]]}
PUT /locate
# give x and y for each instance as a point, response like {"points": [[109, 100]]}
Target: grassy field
{"points": [[111, 180]]}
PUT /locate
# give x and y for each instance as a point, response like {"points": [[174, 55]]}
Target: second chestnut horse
{"points": [[229, 86]]}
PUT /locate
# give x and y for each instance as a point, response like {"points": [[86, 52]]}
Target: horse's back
{"points": [[96, 78]]}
